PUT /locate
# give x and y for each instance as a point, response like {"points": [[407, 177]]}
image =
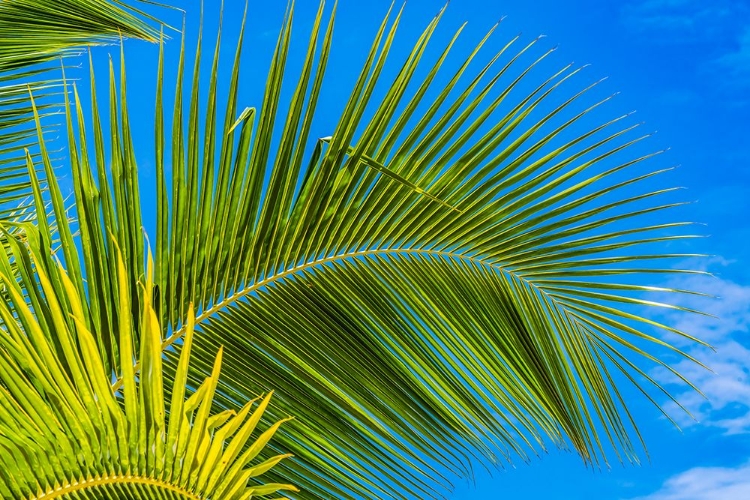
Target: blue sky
{"points": [[684, 65]]}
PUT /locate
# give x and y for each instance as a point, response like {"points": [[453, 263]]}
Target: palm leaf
{"points": [[64, 433], [447, 280], [32, 34], [37, 31]]}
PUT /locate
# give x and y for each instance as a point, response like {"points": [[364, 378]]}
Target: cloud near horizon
{"points": [[727, 404], [727, 389], [705, 483]]}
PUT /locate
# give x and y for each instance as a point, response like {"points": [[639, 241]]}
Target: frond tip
{"points": [[64, 433]]}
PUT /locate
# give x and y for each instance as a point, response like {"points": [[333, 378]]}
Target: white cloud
{"points": [[728, 301], [727, 387], [706, 483]]}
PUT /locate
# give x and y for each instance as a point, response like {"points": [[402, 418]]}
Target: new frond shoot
{"points": [[64, 434]]}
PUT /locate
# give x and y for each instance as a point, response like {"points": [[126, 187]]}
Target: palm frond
{"points": [[34, 33], [37, 31], [448, 277], [64, 433]]}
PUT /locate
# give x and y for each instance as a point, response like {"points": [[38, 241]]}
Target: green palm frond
{"points": [[36, 31], [448, 277], [17, 132], [32, 34], [63, 432]]}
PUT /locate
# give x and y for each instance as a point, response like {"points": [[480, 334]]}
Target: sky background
{"points": [[684, 65]]}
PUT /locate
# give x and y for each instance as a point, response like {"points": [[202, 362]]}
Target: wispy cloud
{"points": [[679, 21], [717, 34], [736, 62], [705, 483], [726, 407], [727, 389]]}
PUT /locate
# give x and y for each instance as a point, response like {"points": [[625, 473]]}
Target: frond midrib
{"points": [[243, 292], [226, 301], [83, 484], [312, 264]]}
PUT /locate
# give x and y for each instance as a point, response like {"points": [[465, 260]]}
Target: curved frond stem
{"points": [[121, 482]]}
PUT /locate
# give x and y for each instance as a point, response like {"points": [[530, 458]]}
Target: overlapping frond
{"points": [[33, 33], [17, 132], [63, 432], [448, 277], [36, 31]]}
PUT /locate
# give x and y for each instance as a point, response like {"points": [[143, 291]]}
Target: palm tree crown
{"points": [[447, 278]]}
